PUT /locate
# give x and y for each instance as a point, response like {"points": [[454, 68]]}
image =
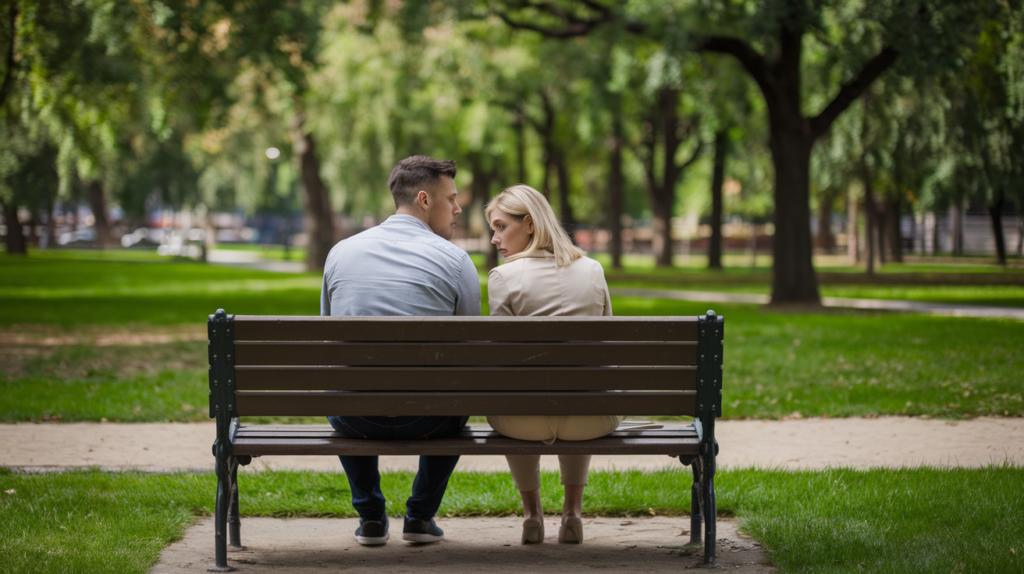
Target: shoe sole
{"points": [[373, 540], [421, 538]]}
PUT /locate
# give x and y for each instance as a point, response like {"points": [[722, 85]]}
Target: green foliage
{"points": [[982, 159]]}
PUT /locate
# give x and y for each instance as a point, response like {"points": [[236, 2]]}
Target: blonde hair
{"points": [[548, 235]]}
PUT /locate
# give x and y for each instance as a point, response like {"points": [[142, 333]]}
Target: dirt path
{"points": [[11, 338], [792, 444], [923, 307], [309, 545]]}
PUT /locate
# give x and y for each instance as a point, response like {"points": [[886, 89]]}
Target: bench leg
{"points": [[710, 507], [695, 514], [220, 517], [234, 537]]}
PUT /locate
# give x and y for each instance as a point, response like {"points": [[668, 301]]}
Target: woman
{"points": [[544, 274]]}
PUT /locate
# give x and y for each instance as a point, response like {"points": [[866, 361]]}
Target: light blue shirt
{"points": [[400, 267]]}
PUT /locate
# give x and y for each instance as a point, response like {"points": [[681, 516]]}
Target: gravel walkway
{"points": [[946, 309]]}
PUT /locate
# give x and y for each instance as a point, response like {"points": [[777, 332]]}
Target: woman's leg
{"points": [[575, 468], [526, 476]]}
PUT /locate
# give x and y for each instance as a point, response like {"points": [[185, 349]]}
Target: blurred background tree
{"points": [[619, 111]]}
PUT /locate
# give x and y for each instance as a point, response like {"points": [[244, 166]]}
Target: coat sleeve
{"points": [[498, 298], [602, 286]]}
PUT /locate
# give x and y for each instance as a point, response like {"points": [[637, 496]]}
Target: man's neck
{"points": [[417, 213]]}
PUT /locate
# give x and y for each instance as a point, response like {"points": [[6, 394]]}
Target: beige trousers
{"points": [[574, 468]]}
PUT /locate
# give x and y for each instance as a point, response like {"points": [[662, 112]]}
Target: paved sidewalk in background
{"points": [[946, 309], [253, 260], [793, 444]]}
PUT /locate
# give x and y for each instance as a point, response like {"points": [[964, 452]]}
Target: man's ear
{"points": [[423, 199], [528, 222]]}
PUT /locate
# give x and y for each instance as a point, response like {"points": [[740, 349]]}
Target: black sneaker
{"points": [[422, 531], [372, 532]]}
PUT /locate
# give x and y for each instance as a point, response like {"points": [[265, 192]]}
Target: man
{"points": [[404, 266]]}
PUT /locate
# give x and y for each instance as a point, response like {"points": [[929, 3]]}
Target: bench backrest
{"points": [[396, 366]]}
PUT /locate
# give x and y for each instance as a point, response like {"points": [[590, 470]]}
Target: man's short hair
{"points": [[415, 173]]}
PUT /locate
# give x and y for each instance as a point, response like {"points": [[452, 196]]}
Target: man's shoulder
{"points": [[457, 254], [382, 235]]}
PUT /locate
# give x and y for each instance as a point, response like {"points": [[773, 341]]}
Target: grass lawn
{"points": [[839, 363], [68, 292], [920, 520]]}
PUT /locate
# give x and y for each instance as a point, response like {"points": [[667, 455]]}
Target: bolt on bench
{"points": [[457, 366]]}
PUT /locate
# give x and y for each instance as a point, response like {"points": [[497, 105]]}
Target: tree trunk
{"points": [[318, 219], [996, 213], [545, 185], [894, 235], [717, 180], [1020, 235], [826, 240], [852, 231], [869, 234], [15, 234], [880, 227], [955, 229], [51, 226], [668, 99], [98, 205], [662, 243], [520, 144], [615, 198], [33, 227], [564, 207], [793, 278], [547, 133], [481, 191]]}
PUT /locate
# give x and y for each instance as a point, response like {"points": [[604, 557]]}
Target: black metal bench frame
{"points": [[294, 366]]}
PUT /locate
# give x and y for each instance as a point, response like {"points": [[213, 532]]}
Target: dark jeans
{"points": [[364, 476]]}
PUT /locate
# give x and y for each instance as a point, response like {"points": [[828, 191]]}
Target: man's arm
{"points": [[468, 290], [325, 299]]}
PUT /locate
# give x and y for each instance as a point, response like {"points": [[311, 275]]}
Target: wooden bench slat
{"points": [[683, 445], [465, 379], [327, 432], [466, 354], [250, 403], [439, 329]]}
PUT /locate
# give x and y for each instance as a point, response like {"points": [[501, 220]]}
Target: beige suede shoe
{"points": [[571, 531], [533, 531]]}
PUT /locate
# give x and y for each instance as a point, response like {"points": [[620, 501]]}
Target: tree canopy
{"points": [[612, 108]]}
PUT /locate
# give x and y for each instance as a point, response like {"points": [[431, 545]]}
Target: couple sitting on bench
{"points": [[407, 266]]}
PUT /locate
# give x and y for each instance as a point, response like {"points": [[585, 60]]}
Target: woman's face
{"points": [[511, 234]]}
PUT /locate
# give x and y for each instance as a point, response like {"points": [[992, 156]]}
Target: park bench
{"points": [[456, 366]]}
